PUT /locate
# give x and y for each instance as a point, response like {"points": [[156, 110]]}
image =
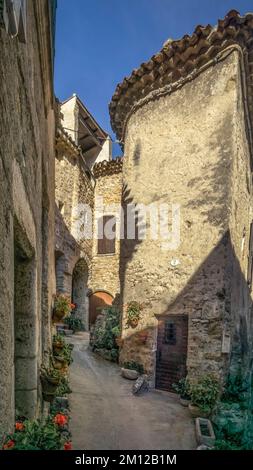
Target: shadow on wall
{"points": [[218, 304], [215, 175], [71, 269]]}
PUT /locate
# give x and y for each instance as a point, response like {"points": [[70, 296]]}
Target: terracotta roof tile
{"points": [[176, 60]]}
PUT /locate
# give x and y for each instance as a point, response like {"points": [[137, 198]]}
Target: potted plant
{"points": [[50, 380], [62, 307], [63, 358], [183, 390], [204, 394], [58, 344], [133, 314]]}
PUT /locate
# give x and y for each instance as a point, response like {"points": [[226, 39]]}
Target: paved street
{"points": [[105, 414]]}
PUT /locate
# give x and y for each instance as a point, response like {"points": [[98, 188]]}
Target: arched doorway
{"points": [[98, 300], [79, 291]]}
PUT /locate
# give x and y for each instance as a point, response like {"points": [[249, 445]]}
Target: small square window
{"points": [[170, 333]]}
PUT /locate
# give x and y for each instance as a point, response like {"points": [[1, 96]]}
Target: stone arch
{"points": [[98, 300], [80, 291], [26, 324]]}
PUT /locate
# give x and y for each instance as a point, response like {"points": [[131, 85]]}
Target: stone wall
{"points": [[182, 148], [105, 268], [26, 213], [74, 194]]}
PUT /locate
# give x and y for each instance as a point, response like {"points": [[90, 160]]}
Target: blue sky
{"points": [[99, 42]]}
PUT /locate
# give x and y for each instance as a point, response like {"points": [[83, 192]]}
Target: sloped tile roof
{"points": [[178, 60]]}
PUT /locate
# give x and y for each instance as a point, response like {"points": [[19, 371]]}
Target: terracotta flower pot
{"points": [[49, 384], [58, 315], [184, 401], [133, 323], [59, 362], [57, 347]]}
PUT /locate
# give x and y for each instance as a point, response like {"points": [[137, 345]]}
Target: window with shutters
{"points": [[250, 259], [106, 235], [13, 18]]}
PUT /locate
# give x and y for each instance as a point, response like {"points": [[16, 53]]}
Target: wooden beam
{"points": [[82, 139], [90, 148]]}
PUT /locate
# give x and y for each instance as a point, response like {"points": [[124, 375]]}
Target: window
{"points": [[13, 18], [250, 258], [106, 235], [170, 332]]}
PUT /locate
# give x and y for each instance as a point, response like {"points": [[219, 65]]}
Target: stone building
{"points": [[185, 118], [85, 172], [104, 282], [27, 136]]}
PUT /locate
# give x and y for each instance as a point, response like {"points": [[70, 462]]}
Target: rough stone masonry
{"points": [[185, 118]]}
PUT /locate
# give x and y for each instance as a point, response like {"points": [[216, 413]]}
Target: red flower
{"points": [[73, 306], [9, 445], [60, 419], [19, 426], [68, 445]]}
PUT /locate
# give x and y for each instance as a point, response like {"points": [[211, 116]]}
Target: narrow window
{"points": [[106, 235], [170, 333]]}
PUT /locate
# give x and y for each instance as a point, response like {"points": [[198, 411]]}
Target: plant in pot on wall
{"points": [[58, 344], [62, 307], [133, 314], [204, 394], [50, 380], [183, 390], [63, 358]]}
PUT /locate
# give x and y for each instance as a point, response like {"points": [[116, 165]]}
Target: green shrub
{"points": [[235, 390], [225, 440], [204, 392], [106, 330], [132, 365], [182, 388], [74, 323], [35, 435], [63, 389]]}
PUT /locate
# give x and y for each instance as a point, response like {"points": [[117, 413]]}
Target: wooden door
{"points": [[98, 300], [171, 350]]}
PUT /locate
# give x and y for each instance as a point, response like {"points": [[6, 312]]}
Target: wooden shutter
{"points": [[105, 245]]}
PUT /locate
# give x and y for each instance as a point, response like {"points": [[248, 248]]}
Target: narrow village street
{"points": [[105, 415]]}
